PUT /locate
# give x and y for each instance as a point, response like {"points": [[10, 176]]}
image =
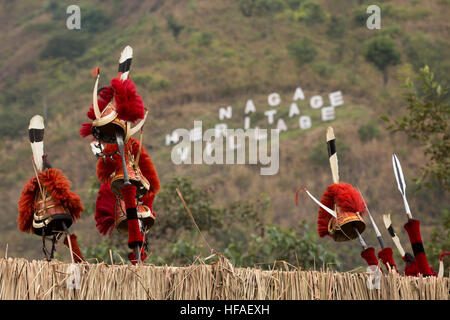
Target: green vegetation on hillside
{"points": [[192, 57], [240, 231], [427, 122]]}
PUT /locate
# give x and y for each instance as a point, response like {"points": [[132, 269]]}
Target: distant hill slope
{"points": [[193, 57]]}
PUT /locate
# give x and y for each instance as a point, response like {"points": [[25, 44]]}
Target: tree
{"points": [[303, 51], [382, 52], [427, 122]]}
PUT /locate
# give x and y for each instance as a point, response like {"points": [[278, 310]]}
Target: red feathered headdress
{"points": [[347, 199], [127, 103], [55, 182]]}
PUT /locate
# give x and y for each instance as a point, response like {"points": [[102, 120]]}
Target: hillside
{"points": [[193, 57]]}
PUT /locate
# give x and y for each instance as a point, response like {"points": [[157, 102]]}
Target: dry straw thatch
{"points": [[21, 279]]}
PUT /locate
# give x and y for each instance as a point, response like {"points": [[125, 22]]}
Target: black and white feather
{"points": [[125, 62], [332, 154], [388, 224], [36, 135]]}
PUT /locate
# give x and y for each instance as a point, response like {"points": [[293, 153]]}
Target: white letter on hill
{"points": [[73, 21], [225, 113], [374, 21]]}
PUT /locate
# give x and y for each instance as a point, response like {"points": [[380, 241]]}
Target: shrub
{"points": [[382, 52], [174, 25], [68, 45], [360, 16], [247, 7], [312, 13], [303, 51], [323, 69], [336, 28], [203, 38], [261, 7], [268, 6], [368, 132], [94, 20], [394, 30], [294, 4], [57, 10]]}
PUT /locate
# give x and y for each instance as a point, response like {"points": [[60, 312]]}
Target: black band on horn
{"points": [[125, 66], [331, 147], [391, 231], [36, 135]]}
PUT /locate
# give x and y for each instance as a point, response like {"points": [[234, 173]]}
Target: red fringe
{"points": [[77, 256], [104, 170], [148, 201], [105, 209], [26, 205], [387, 257], [59, 187], [370, 257], [346, 197]]}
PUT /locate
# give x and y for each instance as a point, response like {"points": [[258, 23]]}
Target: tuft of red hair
{"points": [[85, 130], [55, 182], [345, 196], [386, 255], [105, 209], [369, 256], [128, 103], [107, 167]]}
